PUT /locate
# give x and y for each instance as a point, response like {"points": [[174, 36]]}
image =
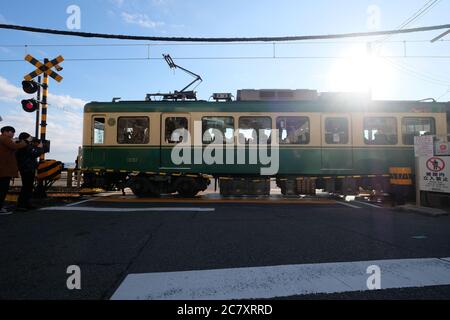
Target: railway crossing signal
{"points": [[31, 86], [48, 170]]}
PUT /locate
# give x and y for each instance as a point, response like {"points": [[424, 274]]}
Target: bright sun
{"points": [[361, 72]]}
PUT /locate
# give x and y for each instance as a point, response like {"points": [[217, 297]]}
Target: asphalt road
{"points": [[38, 246]]}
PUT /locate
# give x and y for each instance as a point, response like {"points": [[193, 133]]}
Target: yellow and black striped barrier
{"points": [[49, 170], [401, 176]]}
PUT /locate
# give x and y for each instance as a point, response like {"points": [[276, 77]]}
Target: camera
{"points": [[45, 144]]}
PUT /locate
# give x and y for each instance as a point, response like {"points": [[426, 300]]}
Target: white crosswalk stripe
{"points": [[282, 281]]}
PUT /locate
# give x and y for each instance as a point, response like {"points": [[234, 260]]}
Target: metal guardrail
{"points": [[74, 178], [70, 178]]}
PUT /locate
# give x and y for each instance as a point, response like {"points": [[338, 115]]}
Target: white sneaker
{"points": [[4, 211]]}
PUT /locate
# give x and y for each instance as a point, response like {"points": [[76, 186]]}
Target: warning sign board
{"points": [[434, 174], [423, 146]]}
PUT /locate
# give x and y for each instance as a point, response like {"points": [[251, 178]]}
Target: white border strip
{"points": [[77, 203], [368, 204], [348, 205], [282, 281], [103, 209]]}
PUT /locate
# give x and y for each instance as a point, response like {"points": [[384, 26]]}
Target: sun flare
{"points": [[360, 71]]}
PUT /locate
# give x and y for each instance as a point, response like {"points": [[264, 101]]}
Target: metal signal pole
{"points": [[44, 110], [38, 109]]}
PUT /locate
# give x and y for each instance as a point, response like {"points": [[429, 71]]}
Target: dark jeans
{"points": [[26, 192], [4, 186]]}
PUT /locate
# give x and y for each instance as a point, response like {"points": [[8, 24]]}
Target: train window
{"points": [[176, 128], [215, 128], [293, 130], [99, 130], [336, 130], [380, 130], [133, 130], [253, 130], [416, 126]]}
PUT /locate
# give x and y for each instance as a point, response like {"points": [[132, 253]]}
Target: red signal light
{"points": [[30, 105]]}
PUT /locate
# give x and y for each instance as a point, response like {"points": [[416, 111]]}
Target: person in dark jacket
{"points": [[27, 163], [8, 163]]}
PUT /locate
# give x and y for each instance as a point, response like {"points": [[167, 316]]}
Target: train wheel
{"points": [[186, 187], [139, 186], [153, 189]]}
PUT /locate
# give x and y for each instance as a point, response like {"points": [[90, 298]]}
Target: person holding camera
{"points": [[27, 162], [8, 163]]}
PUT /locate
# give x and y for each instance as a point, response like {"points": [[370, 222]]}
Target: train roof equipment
{"points": [[177, 95]]}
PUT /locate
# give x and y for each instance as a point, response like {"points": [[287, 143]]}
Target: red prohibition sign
{"points": [[435, 164]]}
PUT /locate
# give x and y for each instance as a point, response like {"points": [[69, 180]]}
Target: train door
{"points": [[337, 144], [97, 153], [175, 128]]}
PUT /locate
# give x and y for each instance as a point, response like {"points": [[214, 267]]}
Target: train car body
{"points": [[317, 138]]}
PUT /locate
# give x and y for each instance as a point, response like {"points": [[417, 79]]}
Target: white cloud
{"points": [[5, 50], [8, 92], [160, 2], [65, 119], [118, 3], [135, 3], [66, 102], [140, 19], [11, 93]]}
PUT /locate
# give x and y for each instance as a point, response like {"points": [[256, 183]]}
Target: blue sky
{"points": [[394, 78]]}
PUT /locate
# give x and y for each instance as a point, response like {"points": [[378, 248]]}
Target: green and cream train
{"points": [[339, 142]]}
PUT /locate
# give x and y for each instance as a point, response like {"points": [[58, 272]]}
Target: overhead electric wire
{"points": [[444, 94], [219, 39], [244, 40], [427, 7], [422, 76], [424, 9], [237, 58], [418, 75], [203, 44], [425, 73]]}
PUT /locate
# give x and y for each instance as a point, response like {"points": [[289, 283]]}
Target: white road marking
{"points": [[103, 209], [77, 203], [348, 205], [281, 281], [368, 204]]}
